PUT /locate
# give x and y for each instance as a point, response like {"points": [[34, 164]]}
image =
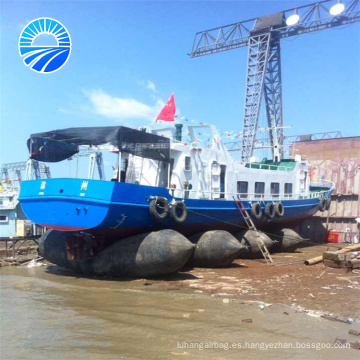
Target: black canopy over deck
{"points": [[58, 145]]}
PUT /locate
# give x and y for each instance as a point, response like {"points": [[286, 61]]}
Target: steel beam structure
{"points": [[263, 35], [287, 141], [313, 17], [36, 169], [15, 166], [18, 174], [96, 158], [315, 136], [273, 99], [258, 54], [32, 169]]}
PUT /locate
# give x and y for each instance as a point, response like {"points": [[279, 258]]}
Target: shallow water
{"points": [[48, 313]]}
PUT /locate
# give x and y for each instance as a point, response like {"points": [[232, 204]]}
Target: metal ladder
{"points": [[250, 224]]}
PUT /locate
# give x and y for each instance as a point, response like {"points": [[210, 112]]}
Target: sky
{"points": [[127, 58]]}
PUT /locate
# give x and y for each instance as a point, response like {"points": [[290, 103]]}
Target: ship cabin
{"points": [[157, 156], [210, 172]]}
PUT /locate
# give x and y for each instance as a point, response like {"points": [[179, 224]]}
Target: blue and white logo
{"points": [[39, 57]]}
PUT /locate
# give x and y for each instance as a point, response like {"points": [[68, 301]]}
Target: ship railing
{"points": [[324, 183], [262, 166], [220, 195], [8, 190], [318, 194]]}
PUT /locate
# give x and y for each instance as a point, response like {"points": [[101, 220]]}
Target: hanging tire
{"points": [[279, 209], [159, 203], [270, 210], [256, 211], [322, 204], [179, 207], [327, 203]]}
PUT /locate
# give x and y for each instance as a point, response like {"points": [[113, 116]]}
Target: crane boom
{"points": [[313, 17]]}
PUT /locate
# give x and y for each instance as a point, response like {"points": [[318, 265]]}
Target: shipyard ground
{"points": [[25, 251], [289, 282], [315, 287]]}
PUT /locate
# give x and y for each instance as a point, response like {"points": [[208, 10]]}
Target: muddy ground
{"points": [[26, 250], [313, 287], [288, 282]]}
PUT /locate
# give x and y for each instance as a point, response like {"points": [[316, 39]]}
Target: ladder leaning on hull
{"points": [[250, 224]]}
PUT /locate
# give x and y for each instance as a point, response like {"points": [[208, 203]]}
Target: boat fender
{"points": [[322, 204], [179, 207], [256, 210], [279, 209], [270, 210], [327, 203], [159, 203]]}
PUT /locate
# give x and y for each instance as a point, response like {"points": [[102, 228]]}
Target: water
{"points": [[48, 313]]}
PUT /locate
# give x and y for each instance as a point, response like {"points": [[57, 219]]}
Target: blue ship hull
{"points": [[122, 209]]}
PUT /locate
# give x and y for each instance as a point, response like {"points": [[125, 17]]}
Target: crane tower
{"points": [[262, 35]]}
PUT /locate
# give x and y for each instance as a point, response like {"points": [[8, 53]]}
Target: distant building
{"points": [[13, 221], [337, 160]]}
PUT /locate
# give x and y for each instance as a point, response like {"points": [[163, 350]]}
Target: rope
{"points": [[267, 233], [246, 228]]}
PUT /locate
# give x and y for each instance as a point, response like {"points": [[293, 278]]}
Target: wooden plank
{"points": [[319, 259], [333, 255], [336, 264]]}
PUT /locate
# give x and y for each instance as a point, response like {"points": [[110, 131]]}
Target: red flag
{"points": [[311, 174], [168, 111]]}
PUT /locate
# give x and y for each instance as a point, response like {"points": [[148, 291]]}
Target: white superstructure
{"points": [[210, 172]]}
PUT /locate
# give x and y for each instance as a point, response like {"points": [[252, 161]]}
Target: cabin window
{"points": [[242, 189], [275, 189], [3, 218], [259, 189], [187, 163], [288, 189]]}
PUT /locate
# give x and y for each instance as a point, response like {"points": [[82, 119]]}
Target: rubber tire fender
{"points": [[256, 211], [157, 202], [322, 204], [179, 205], [279, 209], [270, 210], [327, 203]]}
